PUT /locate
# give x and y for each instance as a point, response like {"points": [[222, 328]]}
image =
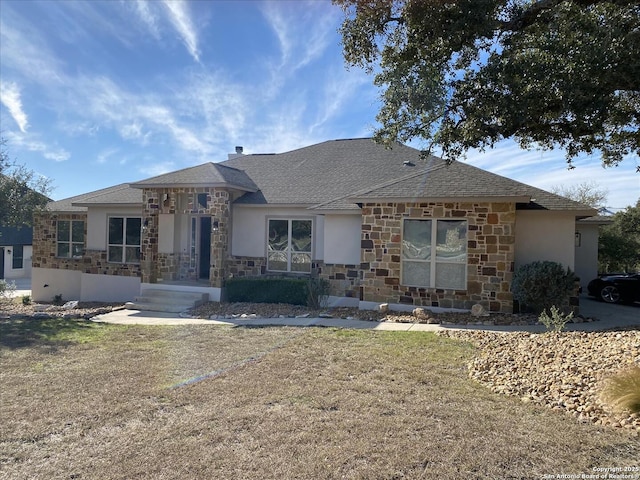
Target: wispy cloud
{"points": [[303, 29], [10, 98], [26, 142], [148, 17], [178, 12]]}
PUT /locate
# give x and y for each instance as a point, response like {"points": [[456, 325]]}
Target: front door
{"points": [[205, 247]]}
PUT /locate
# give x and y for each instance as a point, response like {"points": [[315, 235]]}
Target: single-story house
{"points": [[381, 225], [15, 252]]}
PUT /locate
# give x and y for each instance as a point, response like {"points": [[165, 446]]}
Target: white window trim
{"points": [[70, 242], [124, 239], [433, 262], [289, 219]]}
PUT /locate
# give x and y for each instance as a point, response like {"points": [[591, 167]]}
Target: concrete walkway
{"points": [[609, 316]]}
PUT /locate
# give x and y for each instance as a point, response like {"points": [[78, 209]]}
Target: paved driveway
{"points": [[622, 315]]}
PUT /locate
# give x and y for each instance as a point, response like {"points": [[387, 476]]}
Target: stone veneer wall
{"points": [[92, 261], [490, 254], [343, 279], [177, 266]]}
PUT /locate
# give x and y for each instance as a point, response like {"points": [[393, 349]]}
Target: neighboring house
{"points": [[15, 252], [381, 225]]}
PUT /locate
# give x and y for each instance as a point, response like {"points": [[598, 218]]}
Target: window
{"points": [[70, 238], [124, 239], [434, 253], [18, 253], [289, 246]]}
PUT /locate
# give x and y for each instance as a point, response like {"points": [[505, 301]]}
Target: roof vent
{"points": [[239, 150], [408, 163]]}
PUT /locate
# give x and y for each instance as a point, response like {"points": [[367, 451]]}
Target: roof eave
{"points": [[502, 199], [106, 204]]}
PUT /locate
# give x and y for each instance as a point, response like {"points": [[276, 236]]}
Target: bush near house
{"points": [[267, 290], [539, 285]]}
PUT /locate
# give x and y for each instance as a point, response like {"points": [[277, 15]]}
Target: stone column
{"points": [[219, 208], [149, 261]]}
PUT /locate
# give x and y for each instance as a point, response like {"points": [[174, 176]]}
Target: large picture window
{"points": [[289, 245], [434, 253], [124, 239], [70, 238]]}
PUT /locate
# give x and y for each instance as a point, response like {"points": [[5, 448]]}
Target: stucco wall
{"points": [[249, 229], [543, 235], [342, 239], [97, 224], [586, 256], [76, 285]]}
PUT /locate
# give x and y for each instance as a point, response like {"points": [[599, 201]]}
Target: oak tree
{"points": [[464, 74]]}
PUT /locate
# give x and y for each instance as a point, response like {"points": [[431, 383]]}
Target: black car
{"points": [[616, 288]]}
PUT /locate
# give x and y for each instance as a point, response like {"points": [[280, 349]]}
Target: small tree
{"points": [[619, 247], [22, 191], [541, 285], [588, 193]]}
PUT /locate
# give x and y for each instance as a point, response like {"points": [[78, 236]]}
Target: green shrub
{"points": [[556, 321], [267, 290], [26, 299], [539, 285], [622, 391], [57, 299]]}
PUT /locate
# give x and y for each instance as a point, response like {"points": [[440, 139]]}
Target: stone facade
{"points": [[490, 254], [180, 266], [92, 261]]}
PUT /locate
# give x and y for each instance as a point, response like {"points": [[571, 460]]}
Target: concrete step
{"points": [[166, 300], [157, 307]]}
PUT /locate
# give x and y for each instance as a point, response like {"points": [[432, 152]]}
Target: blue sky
{"points": [[98, 93]]}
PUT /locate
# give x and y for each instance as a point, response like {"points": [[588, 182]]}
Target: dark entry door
{"points": [[205, 247]]}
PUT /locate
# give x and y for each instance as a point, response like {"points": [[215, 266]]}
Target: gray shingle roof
{"points": [[121, 194], [206, 175], [322, 172], [334, 175]]}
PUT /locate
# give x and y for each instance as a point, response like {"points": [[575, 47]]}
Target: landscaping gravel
{"points": [[564, 371]]}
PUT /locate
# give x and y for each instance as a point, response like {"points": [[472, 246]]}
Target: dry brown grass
{"points": [[115, 402]]}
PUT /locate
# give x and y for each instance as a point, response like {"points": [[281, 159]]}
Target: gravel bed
{"points": [[564, 371], [215, 310], [15, 309]]}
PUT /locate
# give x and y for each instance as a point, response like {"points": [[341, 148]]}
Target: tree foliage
{"points": [[619, 247], [588, 193], [22, 191], [468, 73]]}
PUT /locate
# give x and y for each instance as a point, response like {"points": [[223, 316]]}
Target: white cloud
{"points": [[26, 142], [303, 29], [157, 168], [104, 155], [149, 18], [10, 98], [179, 17]]}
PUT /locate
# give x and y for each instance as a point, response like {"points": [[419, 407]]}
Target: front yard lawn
{"points": [[95, 401]]}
